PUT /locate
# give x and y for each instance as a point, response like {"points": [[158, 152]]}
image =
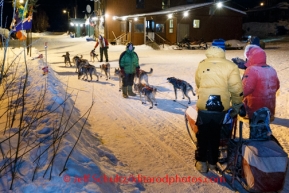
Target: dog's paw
{"points": [[151, 107], [183, 97]]}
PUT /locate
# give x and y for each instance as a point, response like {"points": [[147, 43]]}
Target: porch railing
{"points": [[160, 40], [122, 39]]}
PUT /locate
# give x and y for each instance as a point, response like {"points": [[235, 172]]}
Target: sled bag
{"points": [[264, 166], [191, 115]]}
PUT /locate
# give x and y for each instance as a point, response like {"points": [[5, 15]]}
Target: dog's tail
{"points": [[151, 71], [95, 73], [192, 88]]}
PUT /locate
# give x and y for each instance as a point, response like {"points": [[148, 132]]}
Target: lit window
{"points": [[196, 23]]}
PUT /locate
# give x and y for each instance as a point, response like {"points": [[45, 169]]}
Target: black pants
{"points": [[208, 136], [127, 80], [103, 51]]}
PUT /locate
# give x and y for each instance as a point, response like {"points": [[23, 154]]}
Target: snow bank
{"points": [[90, 167]]}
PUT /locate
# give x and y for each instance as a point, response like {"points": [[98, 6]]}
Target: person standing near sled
{"points": [[260, 82], [129, 66], [103, 47], [219, 88]]}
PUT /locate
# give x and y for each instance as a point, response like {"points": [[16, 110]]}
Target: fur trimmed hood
{"points": [[215, 52], [255, 55]]}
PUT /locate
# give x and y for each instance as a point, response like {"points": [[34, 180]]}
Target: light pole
{"points": [[68, 17]]}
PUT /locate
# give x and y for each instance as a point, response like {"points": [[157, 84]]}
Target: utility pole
{"points": [[75, 9]]}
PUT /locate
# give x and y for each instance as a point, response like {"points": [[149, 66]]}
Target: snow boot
{"points": [[129, 91], [124, 92], [202, 167]]}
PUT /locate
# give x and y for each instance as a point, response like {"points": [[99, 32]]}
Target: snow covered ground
{"points": [[124, 139]]}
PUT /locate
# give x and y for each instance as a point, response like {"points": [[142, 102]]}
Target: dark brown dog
{"points": [[183, 86]]}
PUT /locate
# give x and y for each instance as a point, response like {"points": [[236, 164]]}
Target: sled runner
{"points": [[258, 164]]}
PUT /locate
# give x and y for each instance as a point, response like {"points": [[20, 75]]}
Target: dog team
{"points": [[131, 77]]}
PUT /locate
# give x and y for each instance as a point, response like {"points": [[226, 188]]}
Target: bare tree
{"points": [[40, 21]]}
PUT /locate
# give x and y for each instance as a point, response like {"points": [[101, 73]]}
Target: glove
{"points": [[137, 72], [235, 109], [240, 63], [122, 73]]}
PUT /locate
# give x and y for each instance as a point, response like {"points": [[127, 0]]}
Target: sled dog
{"points": [[93, 55], [183, 86], [67, 59], [118, 74], [86, 70], [143, 76], [106, 69], [79, 61], [148, 91]]}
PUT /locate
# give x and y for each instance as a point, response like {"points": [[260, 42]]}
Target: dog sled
{"points": [[257, 164]]}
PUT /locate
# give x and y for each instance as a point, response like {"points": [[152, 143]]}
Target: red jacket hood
{"points": [[256, 57]]}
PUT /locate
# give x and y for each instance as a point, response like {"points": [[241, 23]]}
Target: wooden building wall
{"points": [[224, 23]]}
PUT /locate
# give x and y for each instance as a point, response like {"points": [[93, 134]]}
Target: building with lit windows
{"points": [[166, 21]]}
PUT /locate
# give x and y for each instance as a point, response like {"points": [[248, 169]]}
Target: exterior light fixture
{"points": [[186, 14], [261, 4], [135, 18], [72, 24], [123, 18], [114, 17], [170, 16], [219, 4]]}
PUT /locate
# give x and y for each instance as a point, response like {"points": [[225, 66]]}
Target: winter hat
{"points": [[215, 52]]}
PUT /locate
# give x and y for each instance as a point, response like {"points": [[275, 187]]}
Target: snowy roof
{"points": [[180, 9]]}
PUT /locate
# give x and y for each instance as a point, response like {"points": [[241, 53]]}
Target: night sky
{"points": [[58, 20]]}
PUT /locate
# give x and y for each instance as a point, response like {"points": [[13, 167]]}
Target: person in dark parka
{"points": [[129, 66]]}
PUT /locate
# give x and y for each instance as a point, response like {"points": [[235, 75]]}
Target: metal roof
{"points": [[180, 8]]}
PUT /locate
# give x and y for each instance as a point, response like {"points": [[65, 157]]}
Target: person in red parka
{"points": [[260, 82], [103, 47]]}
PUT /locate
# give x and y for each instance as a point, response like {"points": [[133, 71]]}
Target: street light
{"points": [[65, 11], [68, 17]]}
